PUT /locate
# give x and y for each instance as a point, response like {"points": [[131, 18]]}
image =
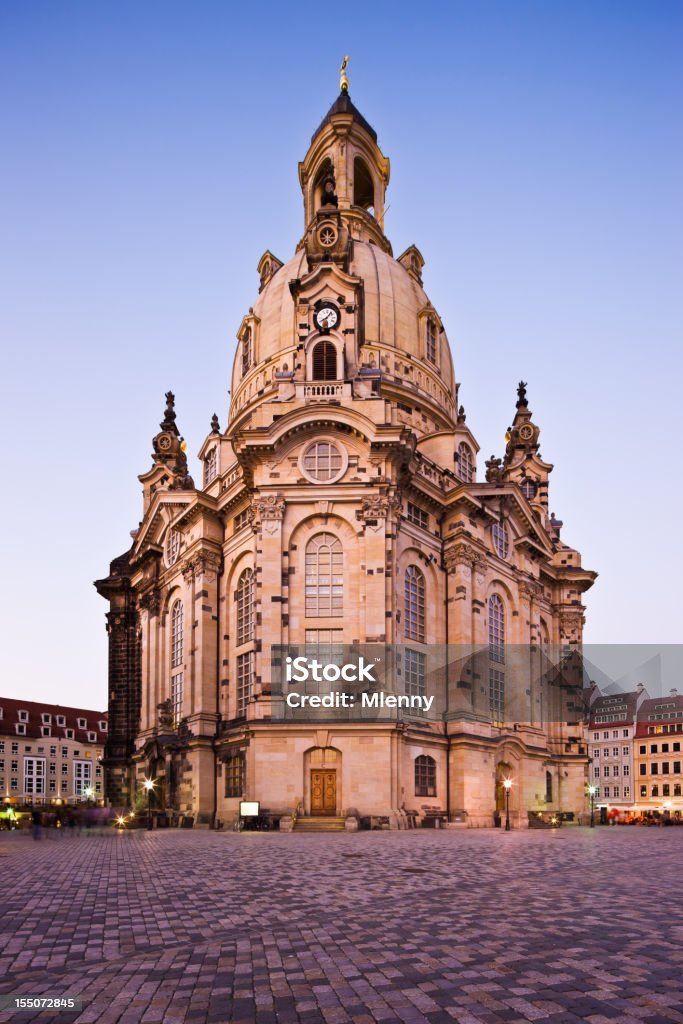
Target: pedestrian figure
{"points": [[35, 818]]}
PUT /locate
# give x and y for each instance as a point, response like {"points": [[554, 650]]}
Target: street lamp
{"points": [[149, 786], [87, 793], [507, 785], [592, 790]]}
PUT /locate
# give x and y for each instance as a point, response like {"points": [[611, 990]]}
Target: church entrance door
{"points": [[323, 792]]}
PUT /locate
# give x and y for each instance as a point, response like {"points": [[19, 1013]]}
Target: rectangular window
{"points": [[61, 720], [653, 748], [241, 520], [596, 772], [53, 785], [425, 776], [666, 789], [65, 751], [23, 716], [65, 769], [417, 516], [615, 770], [615, 751], [677, 789], [430, 338], [53, 768], [624, 751], [15, 748], [596, 752], [235, 775], [245, 669], [2, 747], [643, 749], [2, 766], [596, 735], [627, 770], [665, 768], [677, 767], [616, 791], [665, 748], [53, 751], [606, 791], [627, 792], [82, 777], [14, 766], [655, 790], [497, 695], [177, 696], [45, 718], [13, 785], [654, 769], [605, 735], [605, 771], [625, 734], [34, 776], [414, 670]]}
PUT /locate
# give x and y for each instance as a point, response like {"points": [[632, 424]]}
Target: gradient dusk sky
{"points": [[149, 157]]}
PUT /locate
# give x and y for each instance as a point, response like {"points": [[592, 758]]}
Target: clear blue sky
{"points": [[149, 156]]}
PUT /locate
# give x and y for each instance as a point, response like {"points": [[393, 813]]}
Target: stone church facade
{"points": [[343, 504]]}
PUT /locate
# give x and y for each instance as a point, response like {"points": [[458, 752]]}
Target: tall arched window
{"points": [[245, 607], [324, 576], [324, 361], [246, 350], [177, 655], [425, 776], [210, 466], [363, 188], [414, 604], [465, 463], [430, 340], [496, 612]]}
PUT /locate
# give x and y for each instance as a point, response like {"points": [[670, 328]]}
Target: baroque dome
{"points": [[394, 307], [386, 330]]}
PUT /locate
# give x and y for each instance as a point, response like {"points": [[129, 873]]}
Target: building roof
{"points": [[343, 105], [35, 722], [660, 711], [622, 704]]}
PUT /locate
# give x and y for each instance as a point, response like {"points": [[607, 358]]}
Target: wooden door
{"points": [[323, 792]]}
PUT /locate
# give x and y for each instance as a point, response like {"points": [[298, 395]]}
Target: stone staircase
{"points": [[319, 824]]}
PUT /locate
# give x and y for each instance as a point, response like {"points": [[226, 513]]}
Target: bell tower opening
{"points": [[323, 188], [363, 186], [324, 361]]}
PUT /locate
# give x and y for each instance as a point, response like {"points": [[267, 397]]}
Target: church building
{"points": [[343, 505]]}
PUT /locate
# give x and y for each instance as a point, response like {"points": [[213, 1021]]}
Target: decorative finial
{"points": [[521, 394], [168, 422], [343, 78], [215, 428]]}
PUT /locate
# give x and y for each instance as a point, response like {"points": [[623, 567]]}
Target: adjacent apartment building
{"points": [[658, 738], [611, 731], [50, 753]]}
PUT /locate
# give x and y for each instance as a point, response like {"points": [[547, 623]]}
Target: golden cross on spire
{"points": [[343, 77]]}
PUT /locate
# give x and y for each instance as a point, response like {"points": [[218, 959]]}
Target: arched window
{"points": [[425, 776], [363, 188], [496, 613], [548, 787], [528, 488], [177, 644], [324, 361], [501, 539], [172, 547], [465, 463], [246, 350], [414, 604], [245, 607], [430, 339], [496, 628], [325, 173], [324, 576]]}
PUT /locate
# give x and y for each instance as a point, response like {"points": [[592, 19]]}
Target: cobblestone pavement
{"points": [[479, 927]]}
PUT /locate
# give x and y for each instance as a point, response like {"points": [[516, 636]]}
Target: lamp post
{"points": [[507, 785], [87, 793], [591, 793], [149, 786]]}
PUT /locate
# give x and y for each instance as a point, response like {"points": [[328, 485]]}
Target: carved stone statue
{"points": [[521, 394], [165, 714]]}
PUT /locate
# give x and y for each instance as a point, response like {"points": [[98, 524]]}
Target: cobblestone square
{"points": [[479, 927]]}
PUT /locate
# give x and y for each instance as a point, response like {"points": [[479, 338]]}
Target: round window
{"points": [[323, 462]]}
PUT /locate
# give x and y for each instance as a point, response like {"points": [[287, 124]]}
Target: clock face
{"points": [[327, 317]]}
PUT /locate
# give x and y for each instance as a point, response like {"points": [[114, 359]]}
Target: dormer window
{"points": [[45, 718], [528, 489], [61, 720], [246, 350], [22, 716], [325, 361], [210, 466], [430, 339], [92, 737], [102, 726], [82, 723], [464, 463], [21, 729], [45, 730]]}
